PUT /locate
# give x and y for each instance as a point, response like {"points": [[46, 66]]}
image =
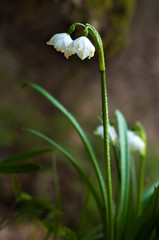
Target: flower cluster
{"points": [[135, 142], [81, 46]]}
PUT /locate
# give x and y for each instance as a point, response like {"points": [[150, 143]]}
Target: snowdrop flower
{"points": [[135, 142], [83, 47], [60, 41], [112, 133], [99, 131]]}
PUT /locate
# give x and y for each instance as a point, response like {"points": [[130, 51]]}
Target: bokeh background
{"points": [[129, 29]]}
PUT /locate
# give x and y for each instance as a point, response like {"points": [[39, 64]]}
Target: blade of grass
{"points": [[142, 133], [19, 168], [148, 194], [74, 163], [24, 156], [134, 182], [146, 222], [84, 139], [125, 174], [17, 187], [92, 234]]}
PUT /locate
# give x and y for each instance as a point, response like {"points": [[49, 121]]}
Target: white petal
{"points": [[83, 47], [83, 54], [112, 134], [60, 41], [135, 142], [99, 131]]}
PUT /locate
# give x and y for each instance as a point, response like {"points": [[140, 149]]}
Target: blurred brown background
{"points": [[130, 35]]}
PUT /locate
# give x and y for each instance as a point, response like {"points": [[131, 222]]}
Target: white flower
{"points": [[83, 47], [99, 131], [60, 41], [135, 142], [112, 133]]}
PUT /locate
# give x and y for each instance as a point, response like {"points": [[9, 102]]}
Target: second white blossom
{"points": [[83, 47]]}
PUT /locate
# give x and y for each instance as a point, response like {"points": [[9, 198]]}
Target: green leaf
{"points": [[16, 186], [125, 173], [69, 116], [73, 162], [80, 132], [148, 194], [19, 168], [69, 234], [139, 129], [146, 224], [94, 233], [24, 156], [38, 203]]}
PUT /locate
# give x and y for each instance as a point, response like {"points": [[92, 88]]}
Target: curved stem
{"points": [[99, 43], [80, 24]]}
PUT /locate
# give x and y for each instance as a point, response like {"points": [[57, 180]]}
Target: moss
{"points": [[118, 15], [99, 7], [121, 16]]}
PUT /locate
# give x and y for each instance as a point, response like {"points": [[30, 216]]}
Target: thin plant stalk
{"points": [[98, 41], [141, 183], [134, 183]]}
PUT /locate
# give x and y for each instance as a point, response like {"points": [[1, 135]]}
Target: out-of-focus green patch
{"points": [[152, 165], [98, 6], [120, 18], [118, 15]]}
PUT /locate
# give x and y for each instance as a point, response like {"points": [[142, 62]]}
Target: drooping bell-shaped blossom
{"points": [[135, 142], [112, 133], [83, 47], [60, 41]]}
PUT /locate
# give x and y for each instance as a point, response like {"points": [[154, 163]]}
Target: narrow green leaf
{"points": [[69, 116], [147, 222], [148, 194], [16, 186], [82, 135], [24, 156], [125, 173], [39, 203], [69, 234], [139, 129], [74, 163], [94, 233], [19, 168]]}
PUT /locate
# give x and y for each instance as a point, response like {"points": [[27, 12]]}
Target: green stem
{"points": [[133, 194], [80, 24], [99, 43], [141, 183], [134, 183], [107, 154]]}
